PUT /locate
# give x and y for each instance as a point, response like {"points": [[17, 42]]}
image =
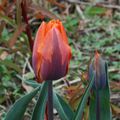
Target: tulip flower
{"points": [[51, 52], [98, 69]]}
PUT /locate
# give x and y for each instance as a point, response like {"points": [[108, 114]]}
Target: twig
{"points": [[28, 30], [80, 12], [111, 6], [24, 67], [71, 82], [100, 4]]}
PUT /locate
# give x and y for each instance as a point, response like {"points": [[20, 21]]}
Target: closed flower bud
{"points": [[97, 70], [51, 52]]}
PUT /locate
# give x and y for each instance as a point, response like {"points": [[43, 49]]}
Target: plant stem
{"points": [[28, 30], [50, 100]]}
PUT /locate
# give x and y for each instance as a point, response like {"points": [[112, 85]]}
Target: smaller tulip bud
{"points": [[98, 70]]}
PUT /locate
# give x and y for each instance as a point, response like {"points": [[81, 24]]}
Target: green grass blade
{"points": [[18, 109]]}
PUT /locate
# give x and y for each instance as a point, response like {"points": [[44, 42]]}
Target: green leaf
{"points": [[80, 109], [94, 10], [104, 102], [32, 83], [39, 111], [18, 109], [64, 110], [104, 105], [62, 107], [10, 64], [7, 20]]}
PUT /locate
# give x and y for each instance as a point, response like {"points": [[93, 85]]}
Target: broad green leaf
{"points": [[59, 108], [39, 110], [62, 107], [18, 109], [32, 83], [64, 110], [80, 109], [104, 102], [104, 105]]}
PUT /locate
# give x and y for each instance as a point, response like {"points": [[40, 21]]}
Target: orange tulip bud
{"points": [[51, 52]]}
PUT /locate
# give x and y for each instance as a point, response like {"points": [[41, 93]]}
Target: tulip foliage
{"points": [[50, 59], [100, 95]]}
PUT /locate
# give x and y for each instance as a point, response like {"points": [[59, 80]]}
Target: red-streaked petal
{"points": [[38, 45], [55, 56], [63, 33]]}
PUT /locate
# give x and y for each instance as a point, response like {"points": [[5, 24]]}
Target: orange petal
{"points": [[55, 56], [38, 45], [62, 30]]}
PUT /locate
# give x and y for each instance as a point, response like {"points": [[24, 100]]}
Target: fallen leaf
{"points": [[115, 86], [56, 3], [18, 31], [27, 87], [115, 109], [3, 55], [38, 9]]}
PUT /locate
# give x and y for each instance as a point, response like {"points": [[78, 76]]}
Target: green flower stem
{"points": [[50, 100]]}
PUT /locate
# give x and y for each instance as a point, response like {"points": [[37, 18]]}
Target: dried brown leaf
{"points": [[18, 12], [3, 55], [56, 3], [43, 11], [18, 31], [115, 109], [86, 114], [73, 94], [115, 85], [2, 26], [27, 87]]}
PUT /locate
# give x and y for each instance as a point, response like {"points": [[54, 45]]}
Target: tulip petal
{"points": [[64, 36], [38, 45], [56, 56]]}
